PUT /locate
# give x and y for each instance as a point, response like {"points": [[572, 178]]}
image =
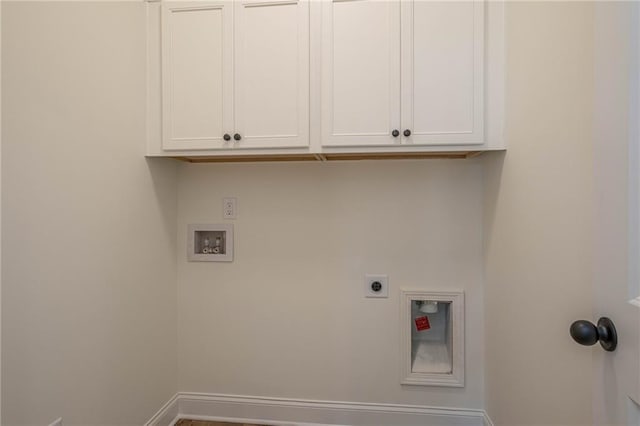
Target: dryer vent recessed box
{"points": [[432, 332], [210, 243]]}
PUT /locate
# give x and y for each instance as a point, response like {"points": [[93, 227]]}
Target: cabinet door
{"points": [[272, 73], [442, 71], [360, 72], [197, 105]]}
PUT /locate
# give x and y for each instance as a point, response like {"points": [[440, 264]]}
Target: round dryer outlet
{"points": [[376, 286]]}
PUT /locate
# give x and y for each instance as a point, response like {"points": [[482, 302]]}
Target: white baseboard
{"points": [[167, 415], [487, 420], [298, 412]]}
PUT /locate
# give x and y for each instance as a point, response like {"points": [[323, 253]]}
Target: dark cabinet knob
{"points": [[395, 133], [586, 333], [407, 133], [237, 136], [226, 137]]}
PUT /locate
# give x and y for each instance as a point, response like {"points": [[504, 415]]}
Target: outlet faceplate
{"points": [[229, 208], [376, 285]]}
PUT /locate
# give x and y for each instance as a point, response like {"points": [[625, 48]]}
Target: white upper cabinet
{"points": [[360, 72], [235, 74], [442, 72], [402, 73], [324, 79], [197, 73], [272, 73]]}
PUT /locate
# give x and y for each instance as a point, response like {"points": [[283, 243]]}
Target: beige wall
{"points": [[88, 303], [89, 248], [288, 317], [538, 220]]}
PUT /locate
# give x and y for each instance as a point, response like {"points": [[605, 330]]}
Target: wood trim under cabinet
{"points": [[330, 157]]}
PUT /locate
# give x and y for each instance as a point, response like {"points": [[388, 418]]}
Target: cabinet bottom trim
{"points": [[329, 157]]}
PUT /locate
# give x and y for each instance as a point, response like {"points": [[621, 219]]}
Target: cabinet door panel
{"points": [[272, 73], [360, 72], [442, 78], [196, 74]]}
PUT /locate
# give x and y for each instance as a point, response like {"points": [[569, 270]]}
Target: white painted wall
{"points": [[85, 332], [88, 248], [538, 220], [288, 317]]}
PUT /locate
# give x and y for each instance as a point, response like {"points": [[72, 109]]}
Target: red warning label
{"points": [[422, 323]]}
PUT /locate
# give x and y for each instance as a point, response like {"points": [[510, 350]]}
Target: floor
{"points": [[187, 422]]}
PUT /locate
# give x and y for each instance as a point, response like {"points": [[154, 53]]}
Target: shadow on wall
{"points": [[493, 168], [493, 165], [163, 173]]}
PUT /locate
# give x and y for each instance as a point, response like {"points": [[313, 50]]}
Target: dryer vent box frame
{"points": [[210, 243], [432, 330]]}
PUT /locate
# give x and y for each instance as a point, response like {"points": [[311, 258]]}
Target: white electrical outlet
{"points": [[229, 208], [376, 286]]}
